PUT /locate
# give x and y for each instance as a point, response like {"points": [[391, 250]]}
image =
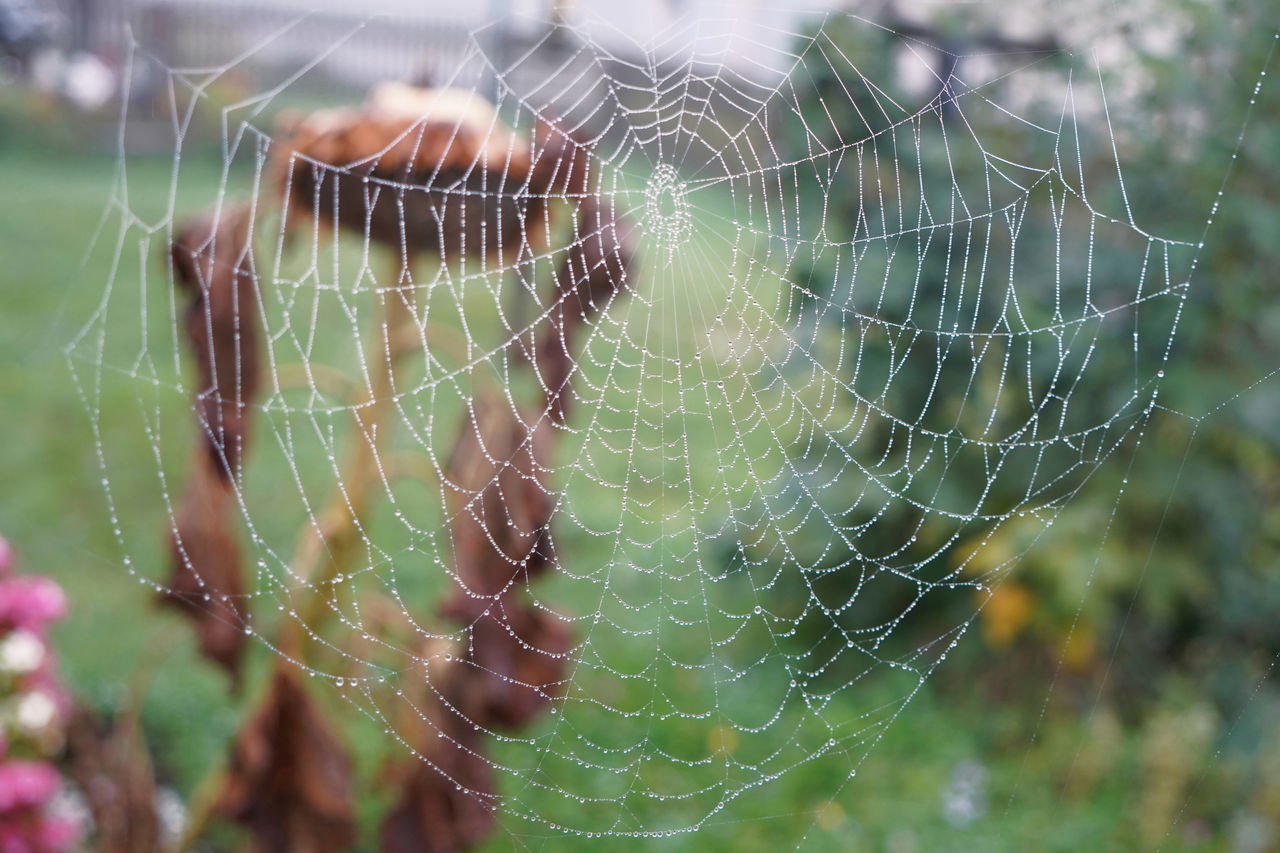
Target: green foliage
{"points": [[1159, 577]]}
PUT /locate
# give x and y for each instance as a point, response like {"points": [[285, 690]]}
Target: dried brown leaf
{"points": [[212, 262], [500, 502], [447, 802], [109, 764], [513, 667], [289, 780], [593, 271], [417, 169], [207, 583]]}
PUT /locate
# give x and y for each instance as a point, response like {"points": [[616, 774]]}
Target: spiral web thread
{"points": [[783, 432]]}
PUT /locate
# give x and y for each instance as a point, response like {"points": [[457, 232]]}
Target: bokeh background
{"points": [[1117, 691]]}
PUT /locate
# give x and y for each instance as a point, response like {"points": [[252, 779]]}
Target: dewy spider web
{"points": [[834, 373]]}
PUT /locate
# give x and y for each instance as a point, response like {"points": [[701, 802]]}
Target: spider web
{"points": [[864, 332]]}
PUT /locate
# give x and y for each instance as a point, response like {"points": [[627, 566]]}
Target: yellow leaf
{"points": [[829, 815], [1078, 648], [722, 739], [979, 556], [1007, 611]]}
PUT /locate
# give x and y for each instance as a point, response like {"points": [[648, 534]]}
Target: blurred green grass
{"points": [[52, 507]]}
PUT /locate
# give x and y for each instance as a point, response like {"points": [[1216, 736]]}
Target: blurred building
{"points": [[430, 40]]}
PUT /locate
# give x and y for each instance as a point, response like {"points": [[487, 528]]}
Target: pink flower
{"points": [[28, 822], [25, 785], [37, 834], [56, 833], [30, 603], [26, 788]]}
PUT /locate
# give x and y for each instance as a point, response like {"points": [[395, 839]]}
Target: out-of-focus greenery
{"points": [[1150, 602], [1116, 690]]}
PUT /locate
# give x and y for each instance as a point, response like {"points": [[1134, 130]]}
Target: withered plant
{"points": [[469, 188]]}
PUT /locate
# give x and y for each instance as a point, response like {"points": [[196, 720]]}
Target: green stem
{"points": [[325, 545]]}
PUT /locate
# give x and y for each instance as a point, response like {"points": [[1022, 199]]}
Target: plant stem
{"points": [[328, 542]]}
